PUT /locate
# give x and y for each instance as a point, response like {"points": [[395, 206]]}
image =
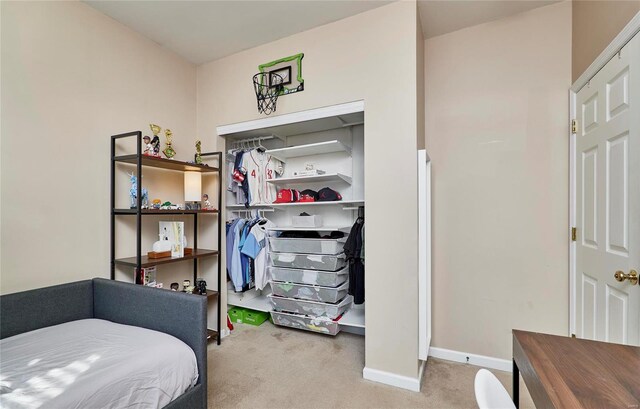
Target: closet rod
{"points": [[256, 139]]}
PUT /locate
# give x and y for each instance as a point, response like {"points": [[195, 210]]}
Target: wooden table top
{"points": [[563, 372]]}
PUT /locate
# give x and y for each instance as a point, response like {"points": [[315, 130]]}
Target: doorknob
{"points": [[632, 276]]}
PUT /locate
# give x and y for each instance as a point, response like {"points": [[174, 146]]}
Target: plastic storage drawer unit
{"points": [[311, 277], [320, 325], [318, 309], [309, 261], [313, 246], [310, 292]]}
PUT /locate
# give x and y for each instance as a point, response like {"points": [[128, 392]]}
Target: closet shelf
{"points": [[297, 204], [148, 262], [322, 228], [353, 318], [310, 149], [259, 303], [328, 177]]}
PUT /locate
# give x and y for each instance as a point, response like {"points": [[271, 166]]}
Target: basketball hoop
{"points": [[268, 87]]}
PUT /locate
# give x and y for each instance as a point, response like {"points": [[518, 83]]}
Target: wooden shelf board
{"points": [[212, 335], [162, 163], [310, 149], [147, 262], [160, 212], [327, 177], [211, 293]]}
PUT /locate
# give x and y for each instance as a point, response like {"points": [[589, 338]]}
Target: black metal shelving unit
{"points": [[139, 260]]}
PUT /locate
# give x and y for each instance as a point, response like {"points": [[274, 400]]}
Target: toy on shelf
{"points": [[206, 204], [168, 151], [200, 287], [187, 287], [170, 206], [148, 148], [156, 203], [198, 157], [133, 192], [155, 142]]}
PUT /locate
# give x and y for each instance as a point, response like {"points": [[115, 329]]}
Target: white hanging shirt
{"points": [[261, 167], [273, 168]]}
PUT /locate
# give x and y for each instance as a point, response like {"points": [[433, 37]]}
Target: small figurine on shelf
{"points": [[156, 203], [155, 142], [206, 204], [168, 206], [175, 286], [198, 157], [168, 151], [148, 148], [133, 192], [200, 287]]}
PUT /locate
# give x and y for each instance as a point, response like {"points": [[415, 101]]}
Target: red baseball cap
{"points": [[287, 196]]}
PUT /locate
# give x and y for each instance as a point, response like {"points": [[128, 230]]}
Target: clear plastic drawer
{"points": [[311, 277], [309, 261], [310, 292], [320, 325], [312, 246], [313, 308]]}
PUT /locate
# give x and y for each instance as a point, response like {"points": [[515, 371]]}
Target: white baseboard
{"points": [[473, 359], [388, 378]]}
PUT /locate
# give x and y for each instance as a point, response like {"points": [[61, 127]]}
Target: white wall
{"points": [[496, 130], [71, 77], [344, 61]]}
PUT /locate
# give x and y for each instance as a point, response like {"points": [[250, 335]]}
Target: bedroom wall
{"points": [[345, 61], [595, 24], [71, 77], [496, 130]]}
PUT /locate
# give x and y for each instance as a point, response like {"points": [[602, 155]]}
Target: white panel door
{"points": [[608, 201]]}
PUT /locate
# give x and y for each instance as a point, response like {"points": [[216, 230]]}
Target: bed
{"points": [[102, 343]]}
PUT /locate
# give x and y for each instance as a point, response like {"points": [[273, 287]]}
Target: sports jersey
{"points": [[259, 168], [273, 168]]}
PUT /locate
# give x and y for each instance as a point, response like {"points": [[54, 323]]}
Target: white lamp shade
{"points": [[192, 187]]}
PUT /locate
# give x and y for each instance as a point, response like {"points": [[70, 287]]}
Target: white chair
{"points": [[490, 394]]}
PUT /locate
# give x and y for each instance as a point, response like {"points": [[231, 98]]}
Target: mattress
{"points": [[94, 363]]}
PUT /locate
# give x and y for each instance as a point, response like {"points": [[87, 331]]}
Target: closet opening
{"points": [[295, 214]]}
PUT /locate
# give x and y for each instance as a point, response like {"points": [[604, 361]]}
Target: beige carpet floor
{"points": [[274, 367]]}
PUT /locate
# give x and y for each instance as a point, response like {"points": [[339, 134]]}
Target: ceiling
{"points": [[444, 16], [202, 31]]}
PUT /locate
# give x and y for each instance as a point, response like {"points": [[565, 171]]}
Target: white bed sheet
{"points": [[94, 364]]}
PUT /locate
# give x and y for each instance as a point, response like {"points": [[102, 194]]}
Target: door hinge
{"points": [[574, 233], [574, 126]]}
